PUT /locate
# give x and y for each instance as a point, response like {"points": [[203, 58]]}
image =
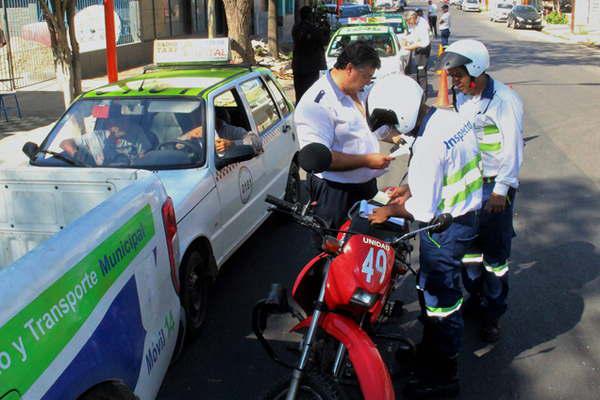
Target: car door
{"points": [[239, 184], [281, 148], [275, 130]]}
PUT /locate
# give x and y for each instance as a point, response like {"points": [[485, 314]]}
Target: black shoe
{"points": [[424, 389], [490, 331], [472, 308]]}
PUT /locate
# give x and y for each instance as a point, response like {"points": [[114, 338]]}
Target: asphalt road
{"points": [[550, 347]]}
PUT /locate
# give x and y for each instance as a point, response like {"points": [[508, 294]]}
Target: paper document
{"points": [[366, 209]]}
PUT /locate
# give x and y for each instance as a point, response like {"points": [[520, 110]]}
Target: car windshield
{"points": [[135, 132], [506, 6], [382, 42], [525, 10], [347, 12]]}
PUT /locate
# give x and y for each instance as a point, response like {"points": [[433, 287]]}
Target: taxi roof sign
{"points": [[191, 51]]}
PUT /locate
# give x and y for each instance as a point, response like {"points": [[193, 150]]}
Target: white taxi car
{"points": [[381, 37], [218, 136]]}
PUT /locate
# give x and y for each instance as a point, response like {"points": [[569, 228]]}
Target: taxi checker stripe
{"points": [[499, 270], [44, 327], [457, 176], [462, 196], [443, 311]]}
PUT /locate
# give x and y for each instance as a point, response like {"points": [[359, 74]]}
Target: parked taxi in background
{"points": [[381, 37]]}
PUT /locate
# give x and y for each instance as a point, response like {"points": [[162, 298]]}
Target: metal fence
{"points": [[27, 57]]}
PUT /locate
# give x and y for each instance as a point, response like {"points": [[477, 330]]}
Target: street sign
{"points": [[191, 51]]}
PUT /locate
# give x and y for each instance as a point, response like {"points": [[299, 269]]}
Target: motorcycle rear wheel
{"points": [[313, 386]]}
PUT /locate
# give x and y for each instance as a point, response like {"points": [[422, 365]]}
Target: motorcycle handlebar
{"points": [[281, 204]]}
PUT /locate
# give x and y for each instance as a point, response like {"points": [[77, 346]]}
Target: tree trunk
{"points": [[212, 23], [239, 18], [75, 60], [66, 63], [272, 34]]}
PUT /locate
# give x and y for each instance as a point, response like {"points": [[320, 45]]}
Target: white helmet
{"points": [[394, 100], [468, 52]]}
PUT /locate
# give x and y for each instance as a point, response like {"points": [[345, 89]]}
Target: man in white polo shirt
{"points": [[332, 112], [419, 43]]}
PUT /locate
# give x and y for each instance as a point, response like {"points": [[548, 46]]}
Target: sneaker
{"points": [[490, 331]]}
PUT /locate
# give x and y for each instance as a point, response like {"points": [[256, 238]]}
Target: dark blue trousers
{"points": [[439, 284], [485, 275]]}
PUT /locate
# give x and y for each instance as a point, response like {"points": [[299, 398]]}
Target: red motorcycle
{"points": [[345, 294]]}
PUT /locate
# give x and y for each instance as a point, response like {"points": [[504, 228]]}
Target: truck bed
{"points": [[37, 202]]}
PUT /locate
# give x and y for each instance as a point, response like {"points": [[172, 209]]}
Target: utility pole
{"points": [[212, 23], [111, 45], [573, 17]]}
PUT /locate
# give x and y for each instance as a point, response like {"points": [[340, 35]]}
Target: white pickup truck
{"points": [[216, 139], [92, 312]]}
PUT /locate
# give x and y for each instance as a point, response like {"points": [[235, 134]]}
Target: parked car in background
{"points": [[499, 11], [471, 5], [383, 39], [524, 17]]}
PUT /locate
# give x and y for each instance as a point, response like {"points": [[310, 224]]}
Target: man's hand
{"points": [[495, 204], [380, 215], [378, 161], [222, 145], [195, 133]]}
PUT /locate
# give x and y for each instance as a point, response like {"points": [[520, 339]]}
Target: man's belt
{"points": [[489, 179]]}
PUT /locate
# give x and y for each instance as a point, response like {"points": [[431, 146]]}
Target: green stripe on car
{"points": [[32, 339]]}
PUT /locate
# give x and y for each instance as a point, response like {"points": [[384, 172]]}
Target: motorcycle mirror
{"points": [[31, 150], [314, 158], [442, 221]]}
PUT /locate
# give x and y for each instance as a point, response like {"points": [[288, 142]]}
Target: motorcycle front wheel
{"points": [[313, 386]]}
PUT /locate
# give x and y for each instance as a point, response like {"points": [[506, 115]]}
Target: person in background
{"points": [[418, 41], [445, 25], [433, 18], [309, 52]]}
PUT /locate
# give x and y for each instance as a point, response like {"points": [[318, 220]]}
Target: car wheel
{"points": [[109, 391], [293, 185], [195, 284]]}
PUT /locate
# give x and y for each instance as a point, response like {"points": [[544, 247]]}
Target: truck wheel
{"points": [[313, 386], [109, 391], [195, 283], [293, 187]]}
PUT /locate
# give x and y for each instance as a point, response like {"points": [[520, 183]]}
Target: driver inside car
{"points": [[226, 134], [119, 141]]}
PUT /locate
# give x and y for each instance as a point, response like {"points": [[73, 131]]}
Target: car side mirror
{"points": [[255, 141], [31, 150], [236, 154]]}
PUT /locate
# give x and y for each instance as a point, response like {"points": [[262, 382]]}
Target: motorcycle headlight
{"points": [[364, 299]]}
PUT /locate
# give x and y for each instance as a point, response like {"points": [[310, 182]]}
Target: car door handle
{"points": [[286, 128]]}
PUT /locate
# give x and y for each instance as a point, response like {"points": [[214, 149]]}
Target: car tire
{"points": [[293, 186], [109, 391], [195, 284]]}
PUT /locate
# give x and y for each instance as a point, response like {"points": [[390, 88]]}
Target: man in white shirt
{"points": [[419, 43], [497, 114], [445, 25], [444, 176], [332, 112], [433, 17]]}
